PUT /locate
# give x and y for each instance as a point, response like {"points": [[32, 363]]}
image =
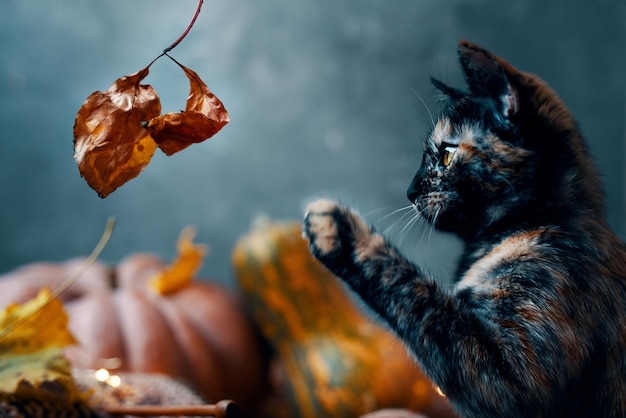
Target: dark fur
{"points": [[535, 325]]}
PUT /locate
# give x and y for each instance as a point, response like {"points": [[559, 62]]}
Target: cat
{"points": [[534, 324]]}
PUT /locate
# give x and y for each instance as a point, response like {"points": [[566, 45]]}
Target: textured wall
{"points": [[325, 99]]}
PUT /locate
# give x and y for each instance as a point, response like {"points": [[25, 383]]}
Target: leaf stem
{"points": [[173, 59], [189, 26], [181, 37]]}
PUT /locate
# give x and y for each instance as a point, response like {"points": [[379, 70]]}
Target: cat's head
{"points": [[501, 150]]}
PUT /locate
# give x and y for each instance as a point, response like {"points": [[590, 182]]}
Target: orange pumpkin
{"points": [[336, 361], [199, 333]]}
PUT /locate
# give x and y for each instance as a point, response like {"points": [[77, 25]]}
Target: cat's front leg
{"points": [[370, 265], [458, 348]]}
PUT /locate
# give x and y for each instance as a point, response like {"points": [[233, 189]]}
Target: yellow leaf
{"points": [[182, 271], [36, 325], [32, 365]]}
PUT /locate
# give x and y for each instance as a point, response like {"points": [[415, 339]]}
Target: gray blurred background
{"points": [[325, 99]]}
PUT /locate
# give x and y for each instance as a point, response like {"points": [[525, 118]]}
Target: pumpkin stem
{"points": [[112, 279]]}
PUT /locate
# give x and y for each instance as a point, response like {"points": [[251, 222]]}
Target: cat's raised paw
{"points": [[321, 227]]}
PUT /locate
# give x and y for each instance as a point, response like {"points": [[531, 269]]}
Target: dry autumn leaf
{"points": [[35, 376], [111, 144], [32, 364], [202, 118], [183, 270], [117, 132], [36, 325]]}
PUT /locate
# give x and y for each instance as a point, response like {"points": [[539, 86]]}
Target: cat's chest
{"points": [[503, 258]]}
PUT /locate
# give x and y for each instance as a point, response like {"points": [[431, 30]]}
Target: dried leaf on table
{"points": [[111, 143], [202, 118]]}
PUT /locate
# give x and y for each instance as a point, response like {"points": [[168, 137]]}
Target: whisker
{"points": [[415, 223], [403, 219], [375, 212], [402, 209], [433, 223], [419, 96], [407, 219], [412, 221]]}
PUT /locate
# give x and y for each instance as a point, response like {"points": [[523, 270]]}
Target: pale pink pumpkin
{"points": [[199, 333]]}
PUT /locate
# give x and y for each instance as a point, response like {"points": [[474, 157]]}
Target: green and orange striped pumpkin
{"points": [[336, 362]]}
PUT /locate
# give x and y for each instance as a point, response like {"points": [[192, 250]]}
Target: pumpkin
{"points": [[335, 361], [199, 333]]}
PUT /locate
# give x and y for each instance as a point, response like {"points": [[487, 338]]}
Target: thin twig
{"points": [[223, 409], [108, 230], [181, 37]]}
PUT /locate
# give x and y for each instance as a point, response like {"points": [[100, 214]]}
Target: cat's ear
{"points": [[448, 92], [489, 76]]}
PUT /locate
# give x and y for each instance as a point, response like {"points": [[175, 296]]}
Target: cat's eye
{"points": [[447, 154]]}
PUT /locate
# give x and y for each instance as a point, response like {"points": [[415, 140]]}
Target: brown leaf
{"points": [[202, 118], [111, 144]]}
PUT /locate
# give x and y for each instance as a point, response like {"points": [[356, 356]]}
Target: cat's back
{"points": [[562, 265], [565, 291]]}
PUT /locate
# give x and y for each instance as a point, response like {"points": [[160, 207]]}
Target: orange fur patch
{"points": [[512, 248]]}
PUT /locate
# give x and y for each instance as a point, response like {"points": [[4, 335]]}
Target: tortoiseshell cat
{"points": [[535, 324]]}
